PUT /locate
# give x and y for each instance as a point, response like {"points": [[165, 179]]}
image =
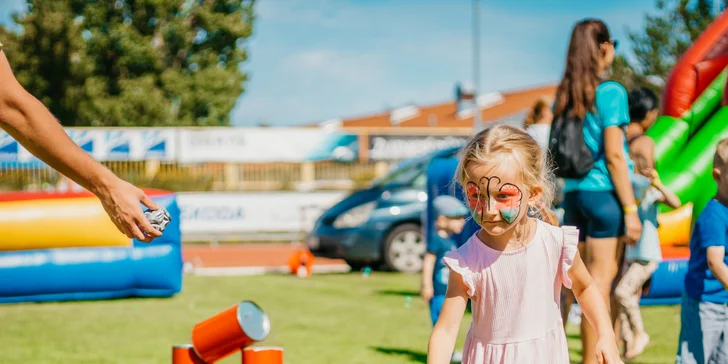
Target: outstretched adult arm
{"points": [[27, 120]]}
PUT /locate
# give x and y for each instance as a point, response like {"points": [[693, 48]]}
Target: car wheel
{"points": [[405, 248]]}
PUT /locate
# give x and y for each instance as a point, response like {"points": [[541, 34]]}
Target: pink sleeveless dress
{"points": [[516, 296]]}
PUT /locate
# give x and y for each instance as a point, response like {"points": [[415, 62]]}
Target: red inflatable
{"points": [[697, 68]]}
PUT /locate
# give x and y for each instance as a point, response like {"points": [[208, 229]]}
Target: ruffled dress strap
{"points": [[569, 248], [455, 261]]}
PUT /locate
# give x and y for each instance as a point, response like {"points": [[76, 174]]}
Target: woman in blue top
{"points": [[602, 204]]}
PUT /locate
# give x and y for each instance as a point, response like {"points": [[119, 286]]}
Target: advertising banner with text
{"points": [[398, 147], [256, 145], [232, 145], [230, 213]]}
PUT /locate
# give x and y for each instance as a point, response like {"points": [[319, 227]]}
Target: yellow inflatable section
{"points": [[57, 223], [676, 226]]}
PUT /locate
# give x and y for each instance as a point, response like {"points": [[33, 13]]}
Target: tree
{"points": [[41, 55], [133, 62], [666, 36]]}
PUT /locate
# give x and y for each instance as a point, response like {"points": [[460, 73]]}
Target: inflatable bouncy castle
{"points": [[693, 121], [63, 246]]}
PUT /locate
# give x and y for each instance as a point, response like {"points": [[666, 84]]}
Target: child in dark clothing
{"points": [[450, 220]]}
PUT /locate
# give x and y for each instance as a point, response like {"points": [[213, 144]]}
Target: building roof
{"points": [[500, 107]]}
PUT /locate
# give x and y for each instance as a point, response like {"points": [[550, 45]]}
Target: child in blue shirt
{"points": [[450, 220], [704, 311]]}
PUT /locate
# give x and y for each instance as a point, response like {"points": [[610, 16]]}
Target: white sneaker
{"points": [[640, 343], [457, 357]]}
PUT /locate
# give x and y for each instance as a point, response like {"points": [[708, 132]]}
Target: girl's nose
{"points": [[490, 208]]}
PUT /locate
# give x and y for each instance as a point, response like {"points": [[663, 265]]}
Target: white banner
{"points": [[249, 145], [9, 148], [233, 145], [112, 144], [160, 144], [136, 144], [397, 147], [246, 212]]}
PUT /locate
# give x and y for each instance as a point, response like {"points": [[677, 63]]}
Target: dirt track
{"points": [[248, 255]]}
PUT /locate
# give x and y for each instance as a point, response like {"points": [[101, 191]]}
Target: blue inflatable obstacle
{"points": [[664, 288], [59, 262], [667, 283]]}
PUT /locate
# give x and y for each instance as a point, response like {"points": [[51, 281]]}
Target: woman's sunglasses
{"points": [[615, 43]]}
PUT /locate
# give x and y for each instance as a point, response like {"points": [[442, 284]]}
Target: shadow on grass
{"points": [[413, 355], [389, 292], [578, 353], [413, 294]]}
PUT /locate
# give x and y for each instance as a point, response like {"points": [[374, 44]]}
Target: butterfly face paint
{"points": [[476, 201], [508, 202], [507, 199]]}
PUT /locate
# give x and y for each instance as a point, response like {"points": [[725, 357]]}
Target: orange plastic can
{"points": [[229, 331], [185, 354], [263, 355]]}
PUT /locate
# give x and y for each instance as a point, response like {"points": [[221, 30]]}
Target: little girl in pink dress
{"points": [[513, 268]]}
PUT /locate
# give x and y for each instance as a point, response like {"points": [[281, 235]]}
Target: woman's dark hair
{"points": [[641, 102], [578, 87], [536, 112]]}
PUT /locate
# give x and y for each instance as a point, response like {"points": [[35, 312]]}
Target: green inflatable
{"points": [[684, 147]]}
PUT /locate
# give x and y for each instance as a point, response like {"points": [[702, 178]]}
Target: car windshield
{"points": [[412, 171], [403, 175]]}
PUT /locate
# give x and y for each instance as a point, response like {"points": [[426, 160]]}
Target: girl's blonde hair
{"points": [[536, 111], [501, 141]]}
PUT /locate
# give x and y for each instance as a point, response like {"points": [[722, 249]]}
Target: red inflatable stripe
{"points": [[24, 196], [675, 252], [692, 73]]}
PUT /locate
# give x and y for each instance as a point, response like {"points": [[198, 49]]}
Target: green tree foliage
{"points": [[133, 62], [666, 36]]}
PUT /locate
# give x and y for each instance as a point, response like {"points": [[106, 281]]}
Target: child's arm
{"points": [[445, 333], [716, 264], [668, 197], [593, 306], [426, 290]]}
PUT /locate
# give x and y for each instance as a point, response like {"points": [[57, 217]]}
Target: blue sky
{"points": [[315, 60]]}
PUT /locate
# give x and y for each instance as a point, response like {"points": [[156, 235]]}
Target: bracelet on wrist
{"points": [[630, 209]]}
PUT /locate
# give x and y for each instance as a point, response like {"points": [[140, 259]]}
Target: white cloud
{"points": [[335, 68], [310, 60]]}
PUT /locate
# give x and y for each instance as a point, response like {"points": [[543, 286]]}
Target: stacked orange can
{"points": [[263, 355], [185, 354], [225, 333]]}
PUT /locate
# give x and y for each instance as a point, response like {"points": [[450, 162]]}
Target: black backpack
{"points": [[571, 156]]}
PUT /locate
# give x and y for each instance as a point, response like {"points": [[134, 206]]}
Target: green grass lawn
{"points": [[321, 319]]}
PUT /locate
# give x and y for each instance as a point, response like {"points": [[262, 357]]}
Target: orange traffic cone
{"points": [[301, 263]]}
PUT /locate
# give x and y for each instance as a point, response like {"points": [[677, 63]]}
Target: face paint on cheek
{"points": [[474, 200], [509, 202], [508, 214]]}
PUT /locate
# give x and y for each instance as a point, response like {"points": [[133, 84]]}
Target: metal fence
{"points": [[210, 176]]}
